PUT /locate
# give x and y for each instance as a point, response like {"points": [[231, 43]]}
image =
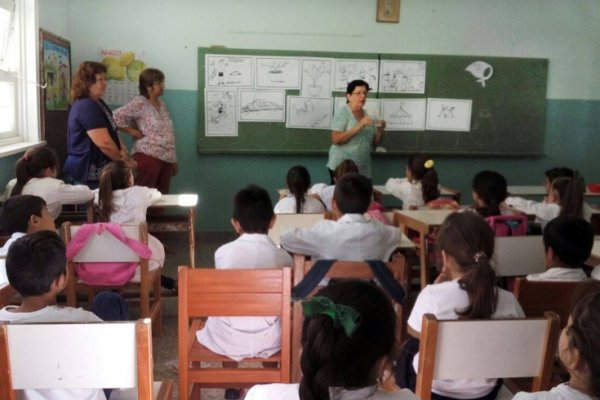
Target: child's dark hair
{"points": [[559, 172], [32, 165], [353, 193], [570, 195], [571, 240], [253, 209], [298, 182], [34, 261], [16, 211], [115, 176], [343, 168], [332, 359], [470, 241], [491, 188], [422, 170], [584, 333]]}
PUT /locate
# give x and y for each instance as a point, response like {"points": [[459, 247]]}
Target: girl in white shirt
{"points": [[348, 339], [36, 175], [419, 187], [465, 289], [298, 201], [578, 349], [119, 201]]}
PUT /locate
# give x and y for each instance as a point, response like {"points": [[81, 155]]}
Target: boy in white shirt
{"points": [[353, 237], [35, 266], [568, 242], [243, 337]]}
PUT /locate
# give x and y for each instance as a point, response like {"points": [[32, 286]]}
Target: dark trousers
{"points": [[406, 376], [153, 173]]}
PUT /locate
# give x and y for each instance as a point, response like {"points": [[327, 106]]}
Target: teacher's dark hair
{"points": [[356, 83], [85, 76], [149, 77]]}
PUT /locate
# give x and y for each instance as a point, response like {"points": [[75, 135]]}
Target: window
{"points": [[19, 104]]}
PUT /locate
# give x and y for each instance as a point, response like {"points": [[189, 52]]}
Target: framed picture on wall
{"points": [[55, 71], [388, 10]]}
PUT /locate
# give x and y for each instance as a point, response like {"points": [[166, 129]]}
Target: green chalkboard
{"points": [[507, 110]]}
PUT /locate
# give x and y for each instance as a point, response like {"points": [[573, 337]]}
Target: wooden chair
{"points": [[463, 349], [538, 297], [285, 222], [343, 270], [80, 355], [106, 248], [519, 255], [207, 292]]}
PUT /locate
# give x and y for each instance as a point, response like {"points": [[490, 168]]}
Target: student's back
{"points": [[419, 187], [353, 236], [298, 201]]}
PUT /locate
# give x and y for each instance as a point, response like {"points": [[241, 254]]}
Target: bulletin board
{"points": [[268, 101]]}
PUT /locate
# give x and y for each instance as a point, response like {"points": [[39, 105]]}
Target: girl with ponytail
{"points": [[36, 175], [419, 187], [348, 340], [298, 201], [465, 289]]}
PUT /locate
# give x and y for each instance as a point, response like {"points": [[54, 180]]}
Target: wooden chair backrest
{"points": [[507, 348], [285, 222], [538, 297], [519, 255], [76, 355], [342, 270]]}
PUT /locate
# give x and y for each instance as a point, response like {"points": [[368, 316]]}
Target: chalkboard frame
{"points": [[507, 119]]}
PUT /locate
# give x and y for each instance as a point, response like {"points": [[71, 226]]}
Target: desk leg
{"points": [[423, 260], [192, 236]]}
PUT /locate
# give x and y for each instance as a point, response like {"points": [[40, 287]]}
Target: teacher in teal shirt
{"points": [[355, 133]]}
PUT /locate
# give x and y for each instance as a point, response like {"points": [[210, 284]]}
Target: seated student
{"points": [[578, 349], [36, 174], [568, 242], [324, 192], [465, 289], [353, 237], [298, 201], [243, 337], [19, 216], [36, 268], [489, 192], [347, 339], [419, 187]]}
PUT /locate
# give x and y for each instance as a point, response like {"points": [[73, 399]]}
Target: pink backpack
{"points": [[105, 273], [508, 225]]}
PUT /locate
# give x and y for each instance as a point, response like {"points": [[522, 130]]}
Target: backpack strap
{"points": [[387, 281], [312, 279]]}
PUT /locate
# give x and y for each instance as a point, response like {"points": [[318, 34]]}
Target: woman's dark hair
{"points": [[115, 176], [149, 77], [298, 182], [32, 165], [570, 192], [427, 176], [470, 241], [584, 332], [343, 168], [491, 188], [354, 84], [331, 358], [85, 76]]}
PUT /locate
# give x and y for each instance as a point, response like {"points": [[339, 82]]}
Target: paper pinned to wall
{"points": [[220, 108], [404, 114], [123, 73], [449, 114], [309, 112], [402, 76], [228, 71]]}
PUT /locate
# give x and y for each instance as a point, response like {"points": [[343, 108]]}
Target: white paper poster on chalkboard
{"points": [[345, 71], [404, 114], [228, 71], [220, 112], [449, 115], [277, 72], [308, 112], [402, 76], [262, 105], [316, 77]]}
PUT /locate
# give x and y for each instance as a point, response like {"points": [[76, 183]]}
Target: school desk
{"points": [[444, 192], [423, 222], [175, 223], [533, 190]]}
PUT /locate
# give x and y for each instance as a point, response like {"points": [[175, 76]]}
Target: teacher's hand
{"points": [[381, 124], [366, 121]]}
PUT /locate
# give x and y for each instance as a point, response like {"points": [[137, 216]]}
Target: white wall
{"points": [[170, 32], [54, 17]]}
